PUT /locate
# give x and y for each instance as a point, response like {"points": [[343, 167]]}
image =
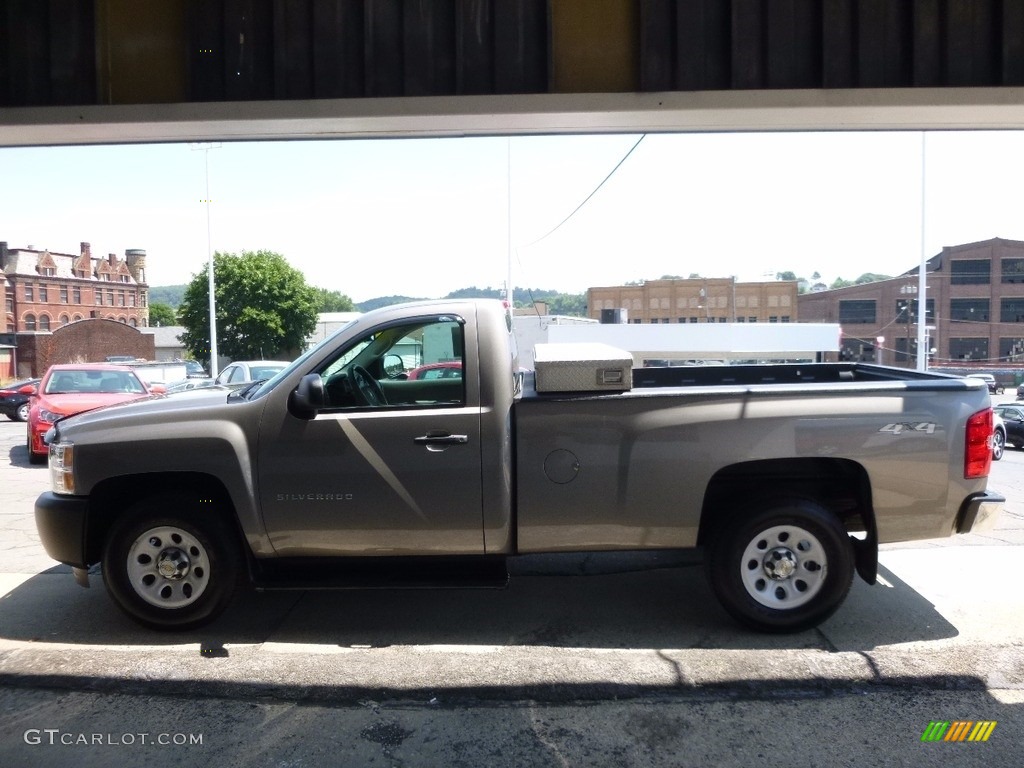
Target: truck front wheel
{"points": [[170, 567], [784, 569]]}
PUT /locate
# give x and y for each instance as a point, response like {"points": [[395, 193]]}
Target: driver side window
{"points": [[413, 365]]}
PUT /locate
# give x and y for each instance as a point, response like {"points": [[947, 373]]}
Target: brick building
{"points": [[974, 310], [698, 300], [46, 290]]}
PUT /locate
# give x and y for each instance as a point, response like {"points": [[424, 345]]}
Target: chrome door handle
{"points": [[435, 438]]}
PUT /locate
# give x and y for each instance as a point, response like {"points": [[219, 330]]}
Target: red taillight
{"points": [[978, 447]]}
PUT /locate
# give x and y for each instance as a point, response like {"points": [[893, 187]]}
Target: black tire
{"points": [[171, 563], [810, 553], [998, 444], [20, 413]]}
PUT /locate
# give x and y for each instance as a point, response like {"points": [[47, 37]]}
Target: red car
{"points": [[449, 370], [70, 389]]}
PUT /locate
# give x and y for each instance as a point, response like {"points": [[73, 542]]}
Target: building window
{"points": [[968, 310], [906, 311], [968, 349], [44, 322], [142, 279], [76, 295], [143, 299], [857, 351], [133, 324], [64, 294], [1011, 350], [9, 303], [30, 292], [1011, 311], [853, 312], [654, 321], [784, 318], [30, 322], [64, 320], [120, 298], [131, 299], [970, 272], [741, 319], [775, 319], [749, 319], [44, 294], [1012, 270], [99, 297], [110, 298]]}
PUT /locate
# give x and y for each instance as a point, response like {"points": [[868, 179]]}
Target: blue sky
{"points": [[422, 217]]}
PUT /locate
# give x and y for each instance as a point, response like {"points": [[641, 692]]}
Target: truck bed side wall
{"points": [[632, 471]]}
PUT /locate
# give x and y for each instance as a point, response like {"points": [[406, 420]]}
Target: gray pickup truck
{"points": [[409, 449]]}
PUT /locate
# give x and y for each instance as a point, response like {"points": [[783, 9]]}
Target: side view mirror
{"points": [[394, 367], [158, 389], [308, 398]]}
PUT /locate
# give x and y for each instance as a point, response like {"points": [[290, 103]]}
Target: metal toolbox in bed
{"points": [[582, 367]]}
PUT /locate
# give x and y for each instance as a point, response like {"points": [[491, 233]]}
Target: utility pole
{"points": [[206, 147]]}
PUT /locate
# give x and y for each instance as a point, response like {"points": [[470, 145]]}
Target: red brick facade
{"points": [[45, 292], [86, 341]]}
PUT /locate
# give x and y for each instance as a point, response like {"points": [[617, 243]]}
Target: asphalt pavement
{"points": [[590, 663]]}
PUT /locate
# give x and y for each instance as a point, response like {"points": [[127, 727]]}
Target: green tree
{"points": [[162, 314], [264, 307], [785, 275], [333, 301], [840, 283]]}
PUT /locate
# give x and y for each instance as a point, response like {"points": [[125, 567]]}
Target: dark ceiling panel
{"points": [[52, 51], [474, 47], [338, 63]]}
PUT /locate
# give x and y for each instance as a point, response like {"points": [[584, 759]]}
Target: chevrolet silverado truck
{"points": [[344, 471]]}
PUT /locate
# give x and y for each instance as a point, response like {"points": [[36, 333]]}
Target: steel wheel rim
{"points": [[22, 412], [168, 567], [998, 444], [784, 567]]}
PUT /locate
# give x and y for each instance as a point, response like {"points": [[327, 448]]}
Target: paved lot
{"points": [[616, 667]]}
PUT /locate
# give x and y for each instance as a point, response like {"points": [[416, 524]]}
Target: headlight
{"points": [[62, 464], [48, 416]]}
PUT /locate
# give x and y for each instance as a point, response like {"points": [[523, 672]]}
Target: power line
{"points": [[587, 199]]}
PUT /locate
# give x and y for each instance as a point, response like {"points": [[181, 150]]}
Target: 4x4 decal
{"points": [[927, 427]]}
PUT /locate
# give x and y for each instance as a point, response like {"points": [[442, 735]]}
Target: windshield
{"points": [[93, 382]]}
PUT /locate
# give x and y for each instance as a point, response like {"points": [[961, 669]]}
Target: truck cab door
{"points": [[392, 463]]}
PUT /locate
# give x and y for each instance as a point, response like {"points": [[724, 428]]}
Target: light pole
{"points": [[206, 147]]}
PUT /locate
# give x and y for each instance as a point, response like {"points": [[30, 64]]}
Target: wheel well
{"points": [[110, 498], [839, 485]]}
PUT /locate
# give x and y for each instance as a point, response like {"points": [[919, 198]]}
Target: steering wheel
{"points": [[367, 388]]}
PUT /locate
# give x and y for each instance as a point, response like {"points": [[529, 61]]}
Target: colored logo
{"points": [[958, 730]]}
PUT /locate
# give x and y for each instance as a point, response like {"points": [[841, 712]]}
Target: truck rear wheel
{"points": [[170, 567], [784, 569]]}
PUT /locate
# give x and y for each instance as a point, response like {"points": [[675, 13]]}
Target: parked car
{"points": [[69, 389], [994, 387], [1012, 417], [184, 385], [449, 370], [1020, 392], [242, 371], [14, 398], [998, 436], [195, 368]]}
